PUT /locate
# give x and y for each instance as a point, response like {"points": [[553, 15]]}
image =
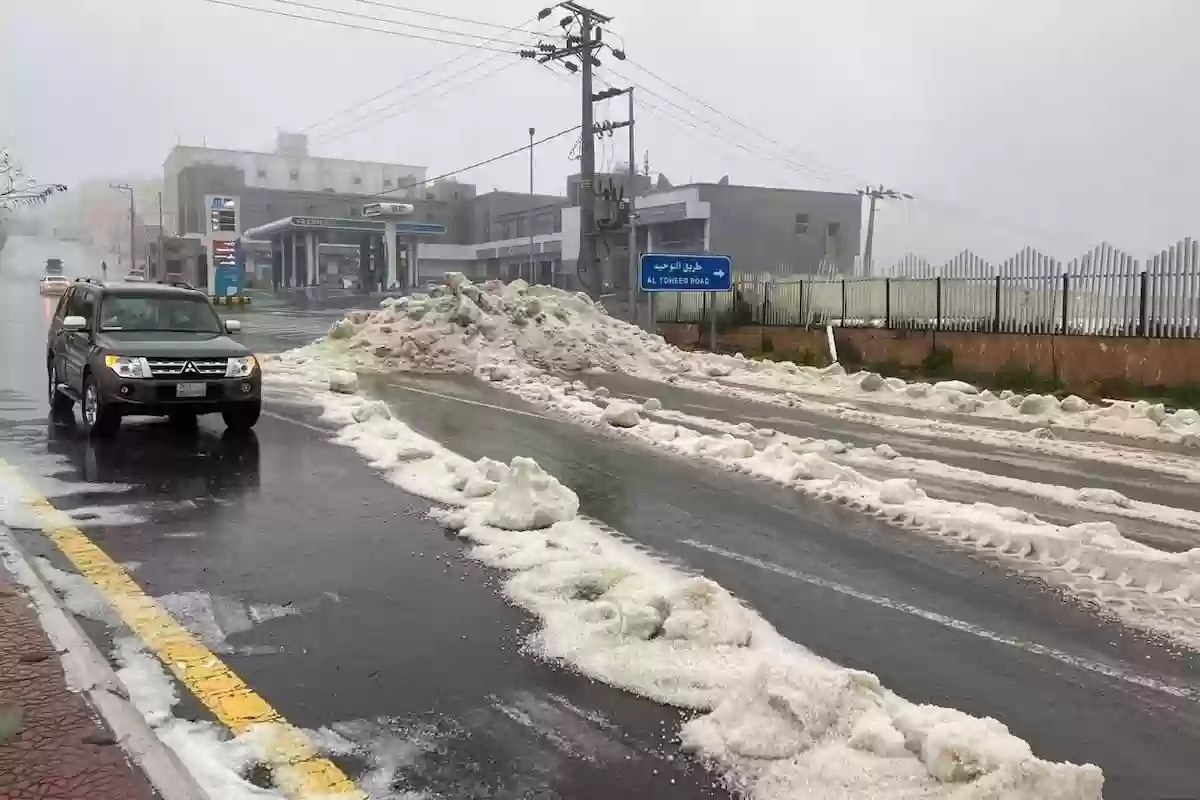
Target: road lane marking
{"points": [[301, 772], [962, 626], [479, 403]]}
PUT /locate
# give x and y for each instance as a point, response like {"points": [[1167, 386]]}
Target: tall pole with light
{"points": [[532, 271], [125, 187], [876, 193]]}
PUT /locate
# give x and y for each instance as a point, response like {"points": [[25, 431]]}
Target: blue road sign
{"points": [[680, 272]]}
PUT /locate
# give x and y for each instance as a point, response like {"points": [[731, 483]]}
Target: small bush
{"points": [[939, 362], [809, 358]]}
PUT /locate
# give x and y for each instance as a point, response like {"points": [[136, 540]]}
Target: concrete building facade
{"points": [[289, 169]]}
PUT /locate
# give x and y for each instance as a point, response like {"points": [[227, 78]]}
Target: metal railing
{"points": [[1103, 293]]}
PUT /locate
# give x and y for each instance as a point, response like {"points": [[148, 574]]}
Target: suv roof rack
{"points": [[177, 284], [92, 281]]}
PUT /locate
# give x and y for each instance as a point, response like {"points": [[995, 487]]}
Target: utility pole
{"points": [[532, 271], [875, 193], [124, 187], [587, 168], [582, 46], [633, 254]]}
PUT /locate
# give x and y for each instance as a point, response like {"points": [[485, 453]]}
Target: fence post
{"points": [[996, 319], [937, 290], [843, 324], [1066, 285], [1144, 304], [887, 303], [766, 304]]}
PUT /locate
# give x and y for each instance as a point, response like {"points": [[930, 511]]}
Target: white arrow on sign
{"points": [[719, 273]]}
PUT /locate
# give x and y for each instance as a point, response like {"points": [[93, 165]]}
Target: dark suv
{"points": [[125, 349]]}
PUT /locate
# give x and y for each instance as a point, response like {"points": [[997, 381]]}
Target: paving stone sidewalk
{"points": [[53, 745]]}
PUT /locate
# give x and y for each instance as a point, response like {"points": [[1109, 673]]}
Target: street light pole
{"points": [[125, 187], [532, 272], [160, 267]]}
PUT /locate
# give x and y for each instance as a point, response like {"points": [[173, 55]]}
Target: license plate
{"points": [[189, 389]]}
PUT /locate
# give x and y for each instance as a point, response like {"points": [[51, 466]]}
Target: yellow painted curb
{"points": [[300, 772]]}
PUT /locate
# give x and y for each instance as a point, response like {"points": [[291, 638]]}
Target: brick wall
{"points": [[1078, 361]]}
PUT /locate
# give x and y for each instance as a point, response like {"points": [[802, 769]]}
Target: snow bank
{"points": [[778, 720], [499, 331]]}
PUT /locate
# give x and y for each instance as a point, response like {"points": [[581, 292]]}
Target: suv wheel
{"points": [[242, 416], [60, 404], [98, 418]]}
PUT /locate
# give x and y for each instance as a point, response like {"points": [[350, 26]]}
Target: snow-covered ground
{"points": [[776, 719]]}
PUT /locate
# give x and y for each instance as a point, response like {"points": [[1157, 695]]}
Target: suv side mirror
{"points": [[232, 326], [74, 323]]}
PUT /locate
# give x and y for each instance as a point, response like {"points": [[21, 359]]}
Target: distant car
{"points": [[135, 277], [54, 284], [147, 349], [54, 266]]}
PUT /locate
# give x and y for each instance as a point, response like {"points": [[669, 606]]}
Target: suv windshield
{"points": [[158, 313]]}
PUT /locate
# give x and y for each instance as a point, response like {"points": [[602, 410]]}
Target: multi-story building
{"points": [[288, 170]]}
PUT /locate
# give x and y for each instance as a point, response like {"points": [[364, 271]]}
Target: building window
{"points": [[801, 224], [357, 181], [294, 174], [833, 229], [520, 226], [387, 182], [262, 174]]}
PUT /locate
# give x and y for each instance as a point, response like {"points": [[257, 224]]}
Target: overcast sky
{"points": [[1056, 123]]}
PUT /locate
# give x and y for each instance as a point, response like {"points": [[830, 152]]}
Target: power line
{"points": [[408, 81], [373, 118], [352, 26], [853, 178], [450, 16], [522, 149], [371, 18]]}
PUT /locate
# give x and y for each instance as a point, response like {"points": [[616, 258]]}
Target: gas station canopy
{"points": [[298, 224]]}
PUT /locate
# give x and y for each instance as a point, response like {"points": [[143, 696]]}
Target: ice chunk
{"points": [[652, 404], [1036, 405], [1103, 497], [956, 386], [620, 414], [871, 382], [885, 450], [1073, 404], [528, 498], [343, 382], [342, 329]]}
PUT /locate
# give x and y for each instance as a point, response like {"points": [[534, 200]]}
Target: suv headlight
{"points": [[128, 367], [241, 367]]}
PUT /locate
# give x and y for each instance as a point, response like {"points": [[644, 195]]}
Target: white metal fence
{"points": [[1102, 292]]}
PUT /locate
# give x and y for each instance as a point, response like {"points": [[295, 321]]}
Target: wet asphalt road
{"points": [[398, 638]]}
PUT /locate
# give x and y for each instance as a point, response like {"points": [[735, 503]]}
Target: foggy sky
{"points": [[1056, 123]]}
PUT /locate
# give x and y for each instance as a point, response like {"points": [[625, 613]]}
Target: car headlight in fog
{"points": [[127, 366], [241, 367]]}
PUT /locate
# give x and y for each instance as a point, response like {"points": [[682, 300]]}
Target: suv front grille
{"points": [[184, 367]]}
